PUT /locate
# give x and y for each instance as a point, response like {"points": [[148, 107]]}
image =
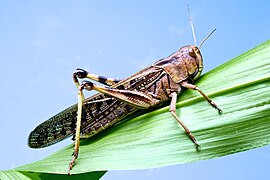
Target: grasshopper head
{"points": [[186, 63], [192, 58]]}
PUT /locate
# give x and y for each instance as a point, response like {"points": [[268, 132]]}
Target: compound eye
{"points": [[192, 53]]}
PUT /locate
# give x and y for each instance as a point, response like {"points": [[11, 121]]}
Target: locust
{"points": [[162, 81]]}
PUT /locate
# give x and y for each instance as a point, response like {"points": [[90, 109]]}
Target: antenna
{"points": [[206, 38], [192, 27]]}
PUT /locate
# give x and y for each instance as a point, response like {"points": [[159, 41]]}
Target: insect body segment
{"points": [[185, 64]]}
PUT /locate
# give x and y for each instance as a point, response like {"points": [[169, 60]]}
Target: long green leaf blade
{"points": [[241, 88], [13, 174]]}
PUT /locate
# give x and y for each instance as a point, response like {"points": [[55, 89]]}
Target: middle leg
{"points": [[172, 111]]}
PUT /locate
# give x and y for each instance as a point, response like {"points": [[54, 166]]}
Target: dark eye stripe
{"points": [[195, 73]]}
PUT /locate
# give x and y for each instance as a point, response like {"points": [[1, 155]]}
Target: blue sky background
{"points": [[43, 42]]}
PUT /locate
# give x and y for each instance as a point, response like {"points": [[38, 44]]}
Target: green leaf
{"points": [[13, 174], [240, 87]]}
